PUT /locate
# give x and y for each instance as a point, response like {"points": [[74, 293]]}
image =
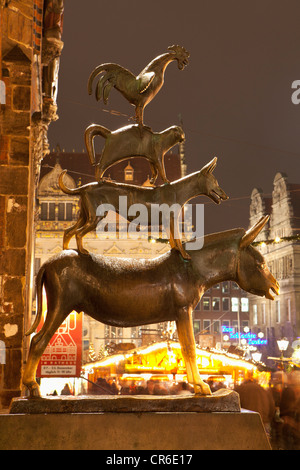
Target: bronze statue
{"points": [[132, 141], [138, 90], [132, 292], [179, 192]]}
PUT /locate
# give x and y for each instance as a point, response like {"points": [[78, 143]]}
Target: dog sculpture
{"points": [[131, 292], [132, 141], [179, 192]]}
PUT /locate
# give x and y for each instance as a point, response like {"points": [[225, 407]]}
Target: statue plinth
{"points": [[135, 423], [223, 400]]}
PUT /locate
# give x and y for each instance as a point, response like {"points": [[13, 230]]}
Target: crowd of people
{"points": [[132, 387], [278, 406]]}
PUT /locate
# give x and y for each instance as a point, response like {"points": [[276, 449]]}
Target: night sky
{"points": [[234, 97]]}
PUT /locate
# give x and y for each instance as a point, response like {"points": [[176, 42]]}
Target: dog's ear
{"points": [[209, 167]]}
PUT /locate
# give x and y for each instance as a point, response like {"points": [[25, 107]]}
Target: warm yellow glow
{"points": [[166, 357]]}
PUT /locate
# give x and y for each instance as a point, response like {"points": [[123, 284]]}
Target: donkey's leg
{"points": [[188, 348], [39, 342]]}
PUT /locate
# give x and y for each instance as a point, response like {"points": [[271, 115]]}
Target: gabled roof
{"points": [[16, 55]]}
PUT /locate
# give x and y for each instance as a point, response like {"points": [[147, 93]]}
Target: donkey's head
{"points": [[208, 183], [253, 274]]}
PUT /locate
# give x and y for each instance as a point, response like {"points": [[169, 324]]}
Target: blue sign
{"points": [[226, 329], [251, 338]]}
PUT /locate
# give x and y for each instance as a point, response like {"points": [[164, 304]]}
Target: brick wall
{"points": [[16, 195]]}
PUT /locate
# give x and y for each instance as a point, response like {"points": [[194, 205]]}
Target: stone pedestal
{"points": [[132, 423], [223, 400]]}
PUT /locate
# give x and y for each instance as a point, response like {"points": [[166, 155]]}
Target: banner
{"points": [[63, 355]]}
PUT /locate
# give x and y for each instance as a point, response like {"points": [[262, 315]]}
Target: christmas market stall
{"points": [[162, 363]]}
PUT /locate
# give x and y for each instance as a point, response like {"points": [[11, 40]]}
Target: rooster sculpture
{"points": [[141, 89]]}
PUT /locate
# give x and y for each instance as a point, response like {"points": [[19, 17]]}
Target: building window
{"points": [[206, 303], [226, 323], [263, 314], [288, 310], [234, 304], [196, 326], [225, 304], [277, 311], [37, 265], [254, 314], [120, 332], [244, 304], [206, 326], [128, 173], [216, 304], [134, 332], [61, 211], [65, 211], [216, 327], [48, 211], [234, 285]]}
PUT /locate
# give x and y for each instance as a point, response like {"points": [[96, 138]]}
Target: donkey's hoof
{"points": [[34, 390], [203, 389]]}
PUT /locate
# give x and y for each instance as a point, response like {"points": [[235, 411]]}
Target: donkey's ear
{"points": [[252, 233], [209, 168]]}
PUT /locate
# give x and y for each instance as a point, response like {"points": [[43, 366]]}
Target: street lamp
{"points": [[256, 356], [282, 346]]}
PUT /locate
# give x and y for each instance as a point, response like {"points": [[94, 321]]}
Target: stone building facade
{"points": [[30, 40], [280, 245]]}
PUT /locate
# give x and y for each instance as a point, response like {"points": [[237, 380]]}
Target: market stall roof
{"points": [[172, 348]]}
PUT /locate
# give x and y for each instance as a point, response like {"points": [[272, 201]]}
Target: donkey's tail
{"points": [[91, 132], [39, 294]]}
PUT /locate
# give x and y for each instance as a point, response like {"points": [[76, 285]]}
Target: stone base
{"points": [[223, 400], [133, 431]]}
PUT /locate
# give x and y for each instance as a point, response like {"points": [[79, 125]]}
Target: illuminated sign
{"points": [[251, 338]]}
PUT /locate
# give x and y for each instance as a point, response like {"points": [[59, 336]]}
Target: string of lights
{"points": [[263, 243]]}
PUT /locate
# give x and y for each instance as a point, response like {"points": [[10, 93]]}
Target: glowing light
{"points": [[282, 344]]}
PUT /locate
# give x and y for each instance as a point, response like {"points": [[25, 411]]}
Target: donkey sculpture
{"points": [[132, 292], [178, 192]]}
